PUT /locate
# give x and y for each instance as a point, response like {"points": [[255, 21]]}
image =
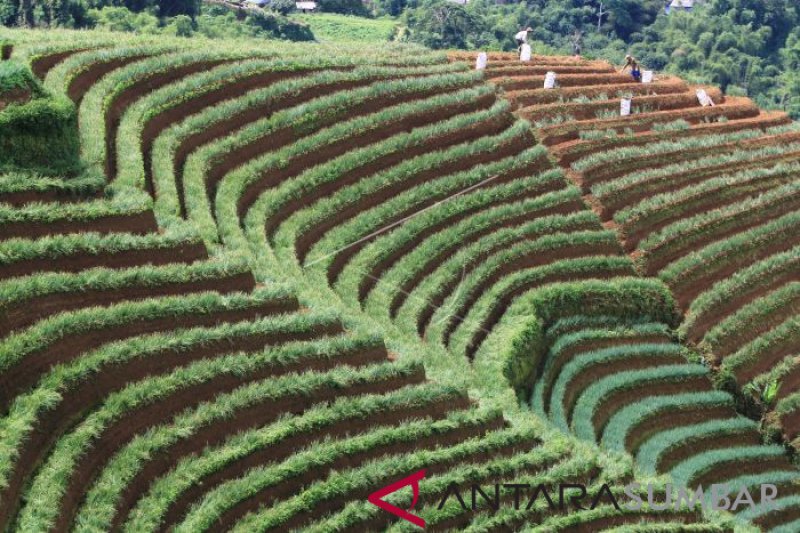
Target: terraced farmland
{"points": [[282, 282], [703, 199]]}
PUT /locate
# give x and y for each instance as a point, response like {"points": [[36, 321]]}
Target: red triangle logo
{"points": [[376, 498]]}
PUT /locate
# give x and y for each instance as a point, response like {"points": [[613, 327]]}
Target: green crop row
{"points": [[623, 157], [398, 178], [623, 423], [150, 510], [58, 247], [483, 315], [665, 207], [583, 110], [583, 415], [664, 131], [17, 80], [474, 206], [443, 247], [765, 351], [371, 474], [526, 254], [650, 455], [667, 243], [164, 161], [759, 276], [25, 181], [548, 234], [128, 204], [304, 120], [689, 470], [644, 122], [648, 181], [560, 407], [746, 323], [56, 472], [15, 348], [15, 292], [130, 159]]}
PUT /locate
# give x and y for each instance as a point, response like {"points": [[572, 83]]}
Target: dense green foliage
{"points": [[41, 133], [182, 18]]}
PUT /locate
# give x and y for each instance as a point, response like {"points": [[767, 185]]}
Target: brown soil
{"points": [[718, 313], [14, 97], [517, 83], [662, 255], [669, 459], [790, 382], [512, 147], [588, 110], [341, 429], [445, 253], [122, 100], [548, 96], [26, 372], [593, 373], [590, 345], [604, 172], [530, 260], [81, 260], [616, 400], [791, 424], [733, 109], [329, 506], [80, 398], [24, 313], [521, 69], [661, 421], [225, 127], [778, 517], [274, 177], [202, 100], [700, 202], [768, 357], [256, 415], [754, 328], [392, 256], [725, 470], [80, 84], [5, 51], [620, 519], [569, 152], [502, 303], [138, 223], [522, 263], [21, 198], [42, 64]]}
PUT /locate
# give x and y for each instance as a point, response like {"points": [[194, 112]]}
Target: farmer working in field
{"points": [[630, 62], [522, 37]]}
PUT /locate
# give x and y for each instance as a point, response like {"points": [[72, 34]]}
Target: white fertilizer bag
{"points": [[525, 54], [550, 80], [704, 99], [480, 64], [625, 107], [647, 76]]}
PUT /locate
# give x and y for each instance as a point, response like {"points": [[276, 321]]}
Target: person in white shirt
{"points": [[522, 37]]}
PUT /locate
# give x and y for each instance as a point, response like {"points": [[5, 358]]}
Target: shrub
{"points": [[42, 134]]}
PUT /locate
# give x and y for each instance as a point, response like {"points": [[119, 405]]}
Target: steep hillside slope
{"points": [[299, 276]]}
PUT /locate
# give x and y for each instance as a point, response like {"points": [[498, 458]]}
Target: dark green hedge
{"points": [[626, 298], [16, 76], [40, 135]]}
